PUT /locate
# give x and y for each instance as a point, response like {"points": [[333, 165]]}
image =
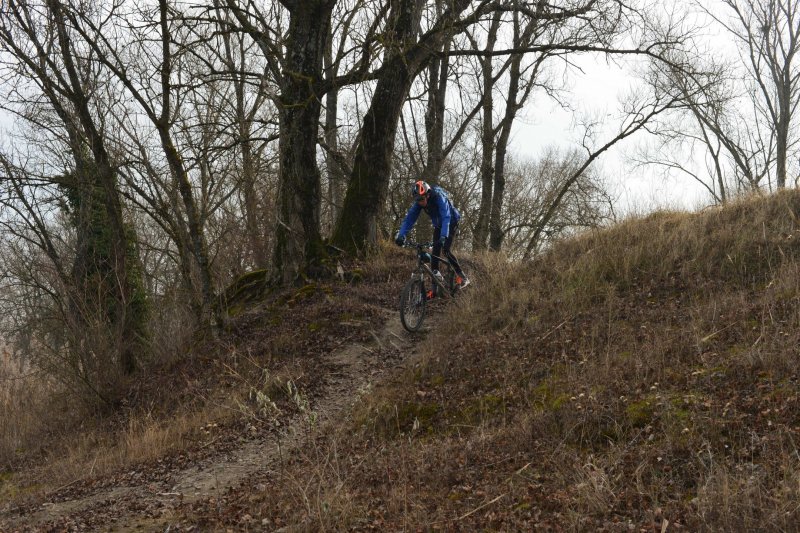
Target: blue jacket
{"points": [[440, 210]]}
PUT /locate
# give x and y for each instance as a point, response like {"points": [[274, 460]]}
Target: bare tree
{"points": [[488, 136], [246, 106], [438, 78], [495, 138], [600, 27], [531, 188], [638, 114], [347, 18], [299, 250], [709, 125], [407, 54], [156, 95], [768, 35], [103, 285]]}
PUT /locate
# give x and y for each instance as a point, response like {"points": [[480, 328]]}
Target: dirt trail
{"points": [[148, 506]]}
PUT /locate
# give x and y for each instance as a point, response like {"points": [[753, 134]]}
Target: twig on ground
{"points": [[481, 507], [543, 337], [377, 340]]}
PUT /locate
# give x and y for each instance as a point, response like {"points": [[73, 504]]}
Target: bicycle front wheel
{"points": [[412, 305]]}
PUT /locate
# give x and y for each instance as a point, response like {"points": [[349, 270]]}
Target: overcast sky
{"points": [[597, 91]]}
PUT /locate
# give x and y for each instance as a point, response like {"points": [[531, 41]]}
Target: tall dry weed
{"points": [[17, 418], [746, 497], [24, 405]]}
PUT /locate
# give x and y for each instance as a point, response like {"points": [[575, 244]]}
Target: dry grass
{"points": [[21, 408], [96, 451], [143, 440], [50, 437]]}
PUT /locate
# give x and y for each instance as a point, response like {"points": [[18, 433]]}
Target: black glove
{"points": [[400, 240], [442, 240]]}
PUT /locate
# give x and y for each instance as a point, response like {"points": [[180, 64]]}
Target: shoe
{"points": [[438, 275], [464, 282]]}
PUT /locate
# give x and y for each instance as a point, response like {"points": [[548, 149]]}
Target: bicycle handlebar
{"points": [[420, 245]]}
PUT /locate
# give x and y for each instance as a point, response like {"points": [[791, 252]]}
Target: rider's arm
{"points": [[410, 220]]}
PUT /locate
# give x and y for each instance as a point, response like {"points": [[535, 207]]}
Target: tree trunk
{"points": [[434, 118], [196, 234], [299, 249], [781, 149], [336, 174], [357, 227], [251, 210], [782, 127], [251, 204], [194, 223], [513, 103], [481, 232], [496, 232], [100, 279]]}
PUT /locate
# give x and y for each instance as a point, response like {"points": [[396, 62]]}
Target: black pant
{"points": [[437, 249]]}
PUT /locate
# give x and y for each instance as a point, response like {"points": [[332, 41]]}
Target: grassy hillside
{"points": [[643, 376]]}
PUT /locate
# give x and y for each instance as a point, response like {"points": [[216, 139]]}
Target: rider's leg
{"points": [[450, 257], [437, 248]]}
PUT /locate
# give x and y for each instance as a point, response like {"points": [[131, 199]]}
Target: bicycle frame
{"points": [[446, 286]]}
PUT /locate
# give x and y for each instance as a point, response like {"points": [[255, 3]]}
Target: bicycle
{"points": [[414, 297]]}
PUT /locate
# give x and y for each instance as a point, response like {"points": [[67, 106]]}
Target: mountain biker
{"points": [[444, 217]]}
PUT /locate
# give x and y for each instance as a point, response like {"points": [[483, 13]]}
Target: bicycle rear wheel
{"points": [[412, 305]]}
